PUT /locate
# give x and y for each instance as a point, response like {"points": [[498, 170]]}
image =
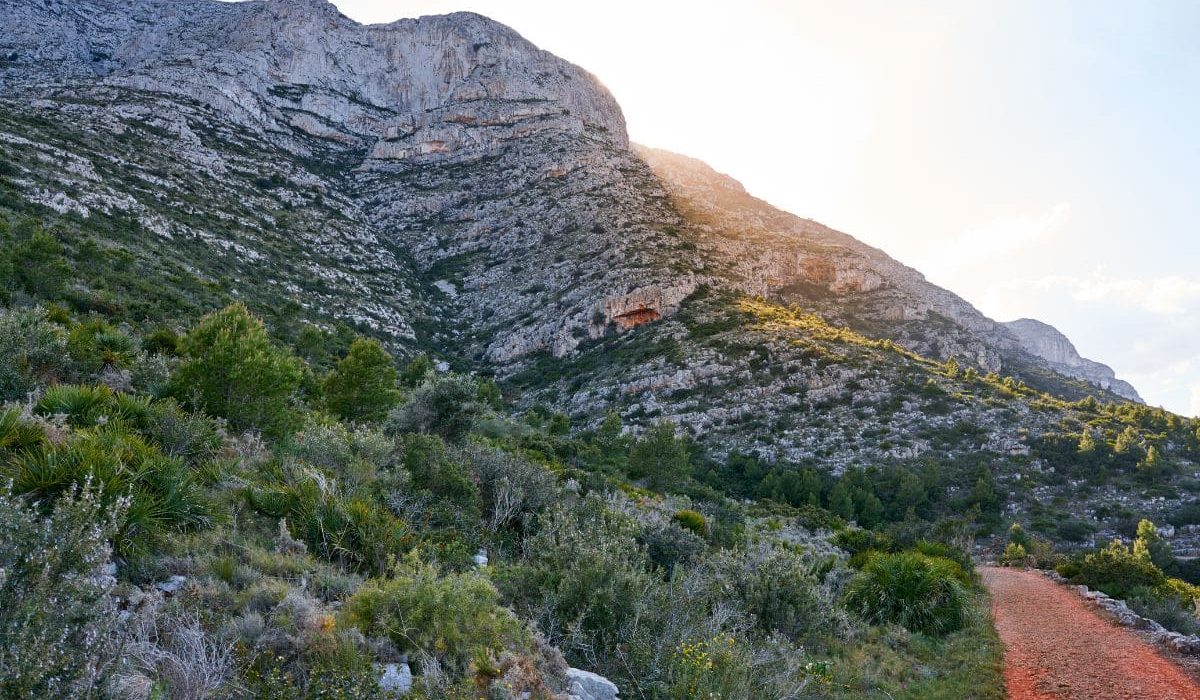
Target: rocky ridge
{"points": [[1048, 343], [448, 186]]}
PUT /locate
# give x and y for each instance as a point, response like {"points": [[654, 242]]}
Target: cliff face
{"points": [[446, 185], [1048, 343], [453, 86]]}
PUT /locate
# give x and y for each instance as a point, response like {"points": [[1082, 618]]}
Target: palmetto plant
{"points": [[161, 492]]}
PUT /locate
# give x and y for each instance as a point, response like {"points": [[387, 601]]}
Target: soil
{"points": [[1057, 648]]}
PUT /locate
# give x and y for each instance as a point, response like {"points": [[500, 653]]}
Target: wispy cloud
{"points": [[997, 238], [1169, 296]]}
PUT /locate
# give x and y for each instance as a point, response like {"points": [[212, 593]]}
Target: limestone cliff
{"points": [[1048, 343], [445, 185]]}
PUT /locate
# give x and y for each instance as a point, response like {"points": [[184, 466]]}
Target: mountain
{"points": [[1046, 342], [446, 186]]}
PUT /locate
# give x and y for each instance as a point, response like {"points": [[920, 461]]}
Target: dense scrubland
{"points": [[217, 508], [209, 501]]}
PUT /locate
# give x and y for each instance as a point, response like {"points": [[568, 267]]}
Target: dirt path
{"points": [[1056, 648]]}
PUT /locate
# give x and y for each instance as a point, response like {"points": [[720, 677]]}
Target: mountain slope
{"points": [[1048, 343], [446, 186]]}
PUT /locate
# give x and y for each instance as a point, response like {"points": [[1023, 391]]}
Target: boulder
{"points": [[396, 679], [172, 585], [585, 685]]}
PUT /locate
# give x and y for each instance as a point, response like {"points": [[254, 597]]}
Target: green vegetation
{"points": [[232, 369], [920, 592], [363, 385]]}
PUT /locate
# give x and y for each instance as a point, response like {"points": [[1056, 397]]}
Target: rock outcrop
{"points": [[444, 87], [1048, 343], [585, 685]]}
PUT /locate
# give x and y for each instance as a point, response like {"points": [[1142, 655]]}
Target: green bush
{"points": [[18, 434], [457, 618], [88, 405], [858, 541], [33, 351], [231, 369], [776, 585], [94, 345], [1116, 570], [691, 520], [1014, 555], [922, 593], [40, 266], [442, 405], [352, 530], [161, 492], [161, 341], [190, 436], [57, 619], [660, 457], [585, 580], [512, 489], [362, 387]]}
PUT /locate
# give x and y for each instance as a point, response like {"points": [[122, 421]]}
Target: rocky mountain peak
{"points": [[1047, 342], [454, 86]]}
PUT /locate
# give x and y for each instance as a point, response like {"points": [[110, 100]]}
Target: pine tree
{"points": [[840, 502], [950, 368], [231, 369], [363, 385], [660, 456]]}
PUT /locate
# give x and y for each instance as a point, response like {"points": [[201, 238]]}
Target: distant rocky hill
{"points": [[1046, 342], [442, 183]]}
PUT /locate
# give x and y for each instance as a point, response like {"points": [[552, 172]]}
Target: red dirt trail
{"points": [[1056, 648]]}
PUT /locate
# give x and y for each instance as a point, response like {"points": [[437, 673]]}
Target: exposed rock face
{"points": [[446, 185], [1048, 343], [454, 86]]}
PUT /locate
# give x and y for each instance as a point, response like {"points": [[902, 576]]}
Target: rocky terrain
{"points": [[1046, 342], [446, 186]]}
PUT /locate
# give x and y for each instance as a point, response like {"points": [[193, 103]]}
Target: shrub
{"points": [[416, 372], [1116, 570], [443, 405], [18, 434], [669, 545], [776, 585], [511, 488], [161, 492], [56, 616], [1014, 555], [427, 459], [858, 541], [1173, 612], [691, 520], [94, 345], [456, 618], [350, 530], [161, 341], [41, 268], [660, 457], [190, 436], [363, 385], [924, 594], [89, 405], [32, 352], [231, 369], [585, 579]]}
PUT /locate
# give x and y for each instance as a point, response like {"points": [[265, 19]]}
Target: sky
{"points": [[1041, 159]]}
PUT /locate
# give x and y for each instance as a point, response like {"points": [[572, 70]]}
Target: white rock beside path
{"points": [[585, 685]]}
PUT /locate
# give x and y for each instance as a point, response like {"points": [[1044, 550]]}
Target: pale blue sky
{"points": [[1039, 158]]}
